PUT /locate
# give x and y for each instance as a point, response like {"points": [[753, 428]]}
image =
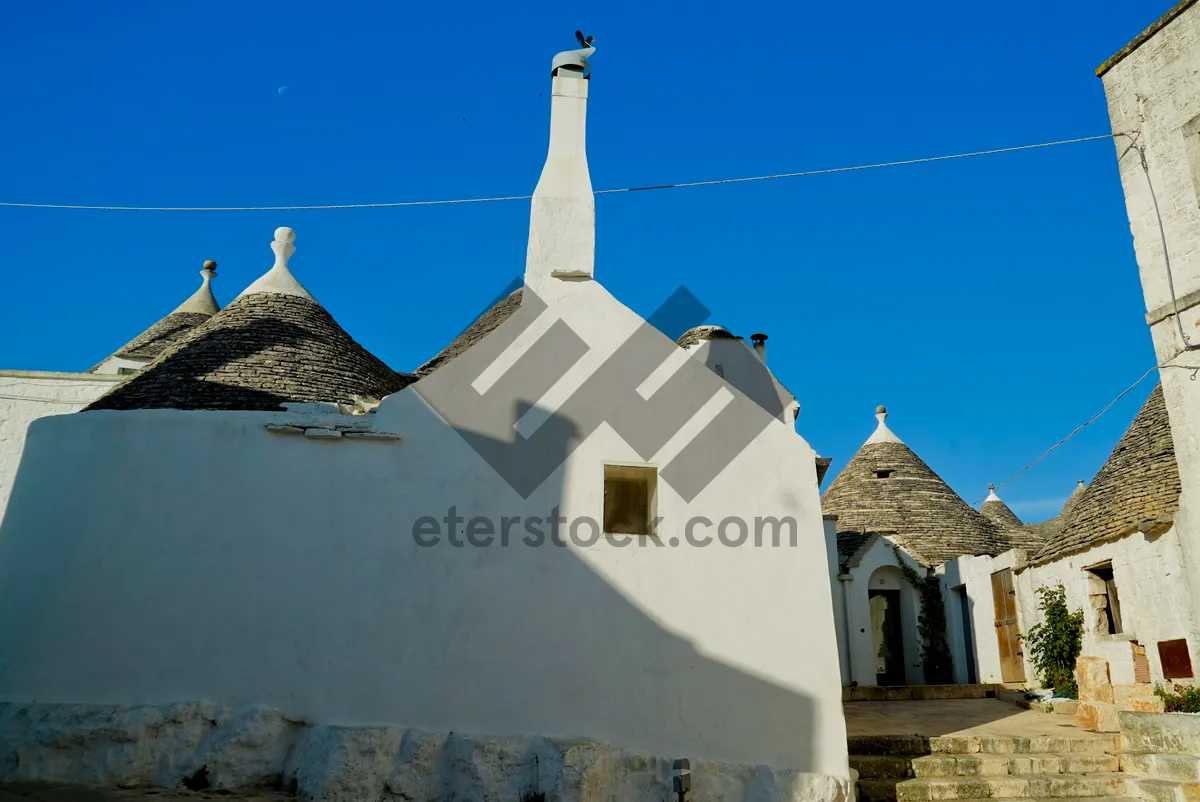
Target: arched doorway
{"points": [[885, 598]]}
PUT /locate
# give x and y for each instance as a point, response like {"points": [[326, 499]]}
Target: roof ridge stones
{"points": [[268, 347], [196, 310], [1137, 487]]}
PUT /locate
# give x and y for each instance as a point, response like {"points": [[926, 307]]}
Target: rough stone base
{"points": [[1096, 716], [202, 745]]}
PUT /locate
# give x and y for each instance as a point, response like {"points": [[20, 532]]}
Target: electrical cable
{"points": [[397, 204], [1077, 429]]}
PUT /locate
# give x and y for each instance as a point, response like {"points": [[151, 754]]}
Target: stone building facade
{"points": [[1153, 91]]}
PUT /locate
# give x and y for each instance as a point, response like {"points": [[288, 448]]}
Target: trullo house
{"points": [[560, 556], [26, 395]]}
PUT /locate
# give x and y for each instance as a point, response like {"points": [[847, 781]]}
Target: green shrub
{"points": [[1056, 642], [936, 661], [1185, 699]]}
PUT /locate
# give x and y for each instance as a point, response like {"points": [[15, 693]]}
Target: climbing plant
{"points": [[931, 624], [1056, 642]]}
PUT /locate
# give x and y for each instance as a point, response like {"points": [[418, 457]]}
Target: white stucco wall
{"points": [[878, 571], [837, 587], [25, 396], [974, 575], [737, 363], [1152, 589], [159, 556], [1154, 92]]}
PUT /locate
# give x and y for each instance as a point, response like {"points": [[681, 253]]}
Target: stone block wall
{"points": [[1100, 700]]}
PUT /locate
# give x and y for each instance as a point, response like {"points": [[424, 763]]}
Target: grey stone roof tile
{"points": [[913, 505], [261, 351], [1138, 484]]}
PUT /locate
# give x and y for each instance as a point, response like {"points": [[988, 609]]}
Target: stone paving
{"points": [[985, 718]]}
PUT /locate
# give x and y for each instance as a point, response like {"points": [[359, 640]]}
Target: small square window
{"points": [[883, 474], [126, 371], [1102, 593], [630, 496]]}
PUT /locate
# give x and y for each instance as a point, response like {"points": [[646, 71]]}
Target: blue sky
{"points": [[993, 304]]}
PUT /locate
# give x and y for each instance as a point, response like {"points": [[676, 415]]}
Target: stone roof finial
{"points": [[279, 278], [202, 301], [882, 433], [283, 247], [991, 496]]}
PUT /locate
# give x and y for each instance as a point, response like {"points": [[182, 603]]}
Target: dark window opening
{"points": [[882, 474], [126, 371], [629, 500], [1102, 593]]}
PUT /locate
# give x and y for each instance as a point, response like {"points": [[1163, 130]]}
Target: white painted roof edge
{"points": [[882, 433], [201, 302], [279, 279]]}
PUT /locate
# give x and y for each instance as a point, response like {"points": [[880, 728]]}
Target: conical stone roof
{"points": [[996, 511], [193, 312], [886, 488], [272, 345], [1138, 486]]}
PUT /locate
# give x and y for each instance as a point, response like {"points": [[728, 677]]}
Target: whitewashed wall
{"points": [[878, 571], [974, 574], [837, 587], [157, 556], [25, 396], [1152, 588], [1155, 92]]}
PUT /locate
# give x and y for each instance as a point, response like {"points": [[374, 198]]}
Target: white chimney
{"points": [[760, 346], [562, 221]]}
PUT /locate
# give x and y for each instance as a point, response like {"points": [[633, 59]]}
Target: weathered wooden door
{"points": [[1004, 598]]}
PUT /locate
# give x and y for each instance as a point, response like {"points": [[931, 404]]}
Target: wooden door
{"points": [[1008, 636]]}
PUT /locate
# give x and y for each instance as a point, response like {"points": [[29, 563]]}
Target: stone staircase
{"points": [[919, 769], [1158, 777]]}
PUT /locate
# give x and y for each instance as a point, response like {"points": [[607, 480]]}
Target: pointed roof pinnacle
{"points": [[882, 433], [202, 301], [279, 279], [991, 496]]}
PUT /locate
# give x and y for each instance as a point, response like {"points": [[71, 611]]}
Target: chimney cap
{"points": [[575, 60], [758, 338]]}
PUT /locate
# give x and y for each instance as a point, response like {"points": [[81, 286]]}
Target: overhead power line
{"points": [[398, 204], [1076, 430]]}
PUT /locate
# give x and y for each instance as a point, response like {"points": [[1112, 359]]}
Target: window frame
{"points": [[640, 472]]}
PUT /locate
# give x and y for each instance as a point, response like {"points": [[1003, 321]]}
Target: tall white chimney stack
{"points": [[562, 221]]}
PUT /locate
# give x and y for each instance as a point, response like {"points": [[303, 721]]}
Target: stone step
{"points": [[904, 693], [969, 745], [888, 745], [1157, 790], [877, 790], [998, 765], [1024, 786], [1158, 766], [875, 767]]}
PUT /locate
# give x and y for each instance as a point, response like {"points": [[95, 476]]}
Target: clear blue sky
{"points": [[993, 304]]}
